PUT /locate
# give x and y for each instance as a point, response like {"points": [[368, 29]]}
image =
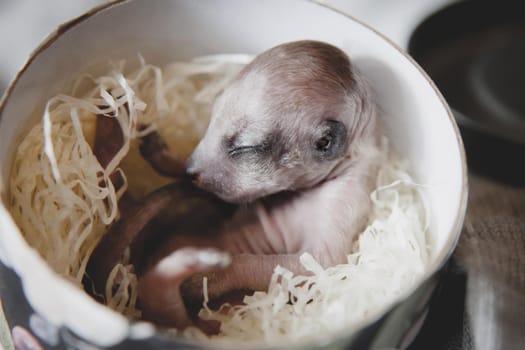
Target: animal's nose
{"points": [[192, 173], [195, 178]]}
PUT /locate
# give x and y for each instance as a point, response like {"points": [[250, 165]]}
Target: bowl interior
{"points": [[416, 117]]}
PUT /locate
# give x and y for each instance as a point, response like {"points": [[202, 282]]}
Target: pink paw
{"points": [[159, 288]]}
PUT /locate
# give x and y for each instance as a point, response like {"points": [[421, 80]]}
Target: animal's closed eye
{"points": [[259, 149], [240, 150]]}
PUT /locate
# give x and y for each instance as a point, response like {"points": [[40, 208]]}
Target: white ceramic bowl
{"points": [[416, 118]]}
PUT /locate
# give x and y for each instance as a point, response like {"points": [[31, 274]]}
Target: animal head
{"points": [[286, 122]]}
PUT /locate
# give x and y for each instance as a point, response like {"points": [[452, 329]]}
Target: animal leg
{"points": [[108, 141], [246, 272], [159, 288], [155, 151], [128, 229]]}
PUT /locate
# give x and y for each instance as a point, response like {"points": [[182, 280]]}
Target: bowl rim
{"points": [[453, 235]]}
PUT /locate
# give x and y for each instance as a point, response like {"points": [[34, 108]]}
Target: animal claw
{"points": [[151, 143], [156, 152], [187, 261]]}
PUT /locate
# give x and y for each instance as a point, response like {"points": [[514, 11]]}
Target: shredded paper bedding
{"points": [[63, 201]]}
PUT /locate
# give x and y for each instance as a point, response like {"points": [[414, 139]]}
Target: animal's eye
{"points": [[237, 151], [324, 143], [330, 143]]}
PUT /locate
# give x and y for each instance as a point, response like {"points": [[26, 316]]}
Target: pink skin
{"points": [[260, 236], [297, 193]]}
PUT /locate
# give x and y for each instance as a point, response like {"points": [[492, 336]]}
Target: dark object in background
{"points": [[445, 327], [475, 53]]}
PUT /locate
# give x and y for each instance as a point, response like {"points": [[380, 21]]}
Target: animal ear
{"points": [[331, 142]]}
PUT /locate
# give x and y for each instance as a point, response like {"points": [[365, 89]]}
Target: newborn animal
{"points": [[294, 143]]}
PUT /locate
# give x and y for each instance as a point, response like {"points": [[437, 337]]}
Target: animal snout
{"points": [[195, 178], [207, 174], [192, 173]]}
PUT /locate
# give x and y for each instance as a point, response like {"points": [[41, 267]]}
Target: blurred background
{"points": [[25, 23]]}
